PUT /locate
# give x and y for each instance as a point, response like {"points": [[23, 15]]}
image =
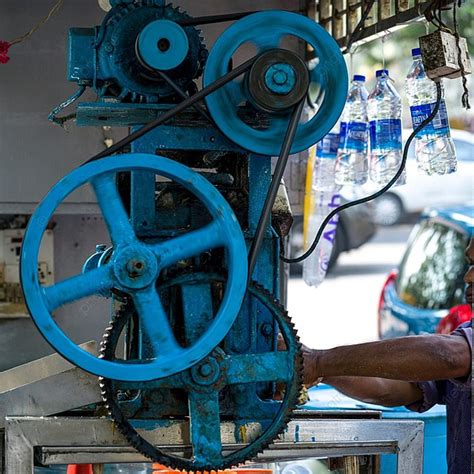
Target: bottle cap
{"points": [[416, 52], [358, 77], [381, 72]]}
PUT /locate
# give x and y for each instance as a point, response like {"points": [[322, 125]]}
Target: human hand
{"points": [[310, 367]]}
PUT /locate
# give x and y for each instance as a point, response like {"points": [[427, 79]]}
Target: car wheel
{"points": [[388, 209]]}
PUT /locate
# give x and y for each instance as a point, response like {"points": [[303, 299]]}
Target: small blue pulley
{"points": [[134, 267], [276, 81]]}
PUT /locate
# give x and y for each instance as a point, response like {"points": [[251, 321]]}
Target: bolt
{"points": [[205, 370], [135, 268], [109, 48], [266, 329], [280, 77]]}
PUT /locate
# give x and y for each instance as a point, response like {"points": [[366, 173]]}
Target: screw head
{"points": [[205, 370]]}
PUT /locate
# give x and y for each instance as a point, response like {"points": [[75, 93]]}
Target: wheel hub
{"points": [[135, 267], [280, 78]]}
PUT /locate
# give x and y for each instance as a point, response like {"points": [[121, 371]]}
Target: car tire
{"points": [[388, 209]]}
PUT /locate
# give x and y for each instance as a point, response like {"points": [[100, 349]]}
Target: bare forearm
{"points": [[434, 357], [375, 390]]}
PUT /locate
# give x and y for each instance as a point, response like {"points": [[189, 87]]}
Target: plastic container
{"points": [[325, 162], [316, 265], [434, 148], [351, 163], [384, 111]]}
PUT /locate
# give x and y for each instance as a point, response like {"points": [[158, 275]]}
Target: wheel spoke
{"points": [[79, 286], [155, 321], [189, 244], [205, 427], [266, 367], [112, 208]]}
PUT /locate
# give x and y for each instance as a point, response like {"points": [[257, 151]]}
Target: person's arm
{"points": [[389, 393], [413, 358]]}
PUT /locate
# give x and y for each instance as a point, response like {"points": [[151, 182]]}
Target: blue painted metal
{"points": [[461, 215], [280, 78], [229, 342], [152, 257], [329, 76], [163, 45], [106, 57]]}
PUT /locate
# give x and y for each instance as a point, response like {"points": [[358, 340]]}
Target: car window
{"points": [[464, 150], [432, 270]]}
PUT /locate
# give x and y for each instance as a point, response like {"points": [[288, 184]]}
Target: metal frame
{"points": [[65, 440], [341, 17]]}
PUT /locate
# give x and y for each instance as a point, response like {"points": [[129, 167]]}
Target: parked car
{"points": [[422, 191], [426, 292], [355, 228]]}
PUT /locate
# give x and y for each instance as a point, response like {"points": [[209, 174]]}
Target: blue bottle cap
{"points": [[358, 77], [381, 72], [416, 52]]}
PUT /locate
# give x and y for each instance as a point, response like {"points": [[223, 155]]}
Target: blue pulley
{"points": [[163, 45], [134, 267], [266, 30]]}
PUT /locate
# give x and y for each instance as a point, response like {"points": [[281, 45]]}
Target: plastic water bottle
{"points": [[325, 161], [316, 265], [351, 163], [385, 110], [434, 148]]}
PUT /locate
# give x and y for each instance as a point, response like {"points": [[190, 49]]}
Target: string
{"points": [[6, 45]]}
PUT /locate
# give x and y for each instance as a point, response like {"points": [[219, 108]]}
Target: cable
{"points": [[6, 45], [357, 30], [372, 196], [465, 95], [53, 116], [44, 20]]}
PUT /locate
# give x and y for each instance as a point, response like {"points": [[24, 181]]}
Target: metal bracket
{"points": [[66, 440]]}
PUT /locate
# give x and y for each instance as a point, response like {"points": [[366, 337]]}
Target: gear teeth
{"points": [[171, 13], [293, 388]]}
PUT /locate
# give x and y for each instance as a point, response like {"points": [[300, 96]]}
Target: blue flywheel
{"points": [[266, 31]]}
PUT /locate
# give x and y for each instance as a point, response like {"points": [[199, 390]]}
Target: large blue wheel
{"points": [[134, 268], [328, 81]]}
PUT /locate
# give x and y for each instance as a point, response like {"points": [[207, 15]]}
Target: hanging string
{"points": [[6, 45], [465, 95]]}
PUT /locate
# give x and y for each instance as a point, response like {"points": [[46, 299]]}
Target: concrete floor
{"points": [[343, 310]]}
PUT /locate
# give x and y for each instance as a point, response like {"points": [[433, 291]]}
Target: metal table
{"points": [[76, 440]]}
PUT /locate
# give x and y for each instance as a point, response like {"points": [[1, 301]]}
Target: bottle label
{"points": [[342, 134], [327, 147], [386, 134], [438, 126], [354, 137]]}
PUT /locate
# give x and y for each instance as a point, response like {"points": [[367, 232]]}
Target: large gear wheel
{"points": [[203, 392], [128, 63]]}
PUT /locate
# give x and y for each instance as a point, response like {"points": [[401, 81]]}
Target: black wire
{"points": [[372, 196], [357, 30]]}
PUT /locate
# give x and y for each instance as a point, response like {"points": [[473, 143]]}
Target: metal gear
{"points": [[126, 76], [289, 402]]}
